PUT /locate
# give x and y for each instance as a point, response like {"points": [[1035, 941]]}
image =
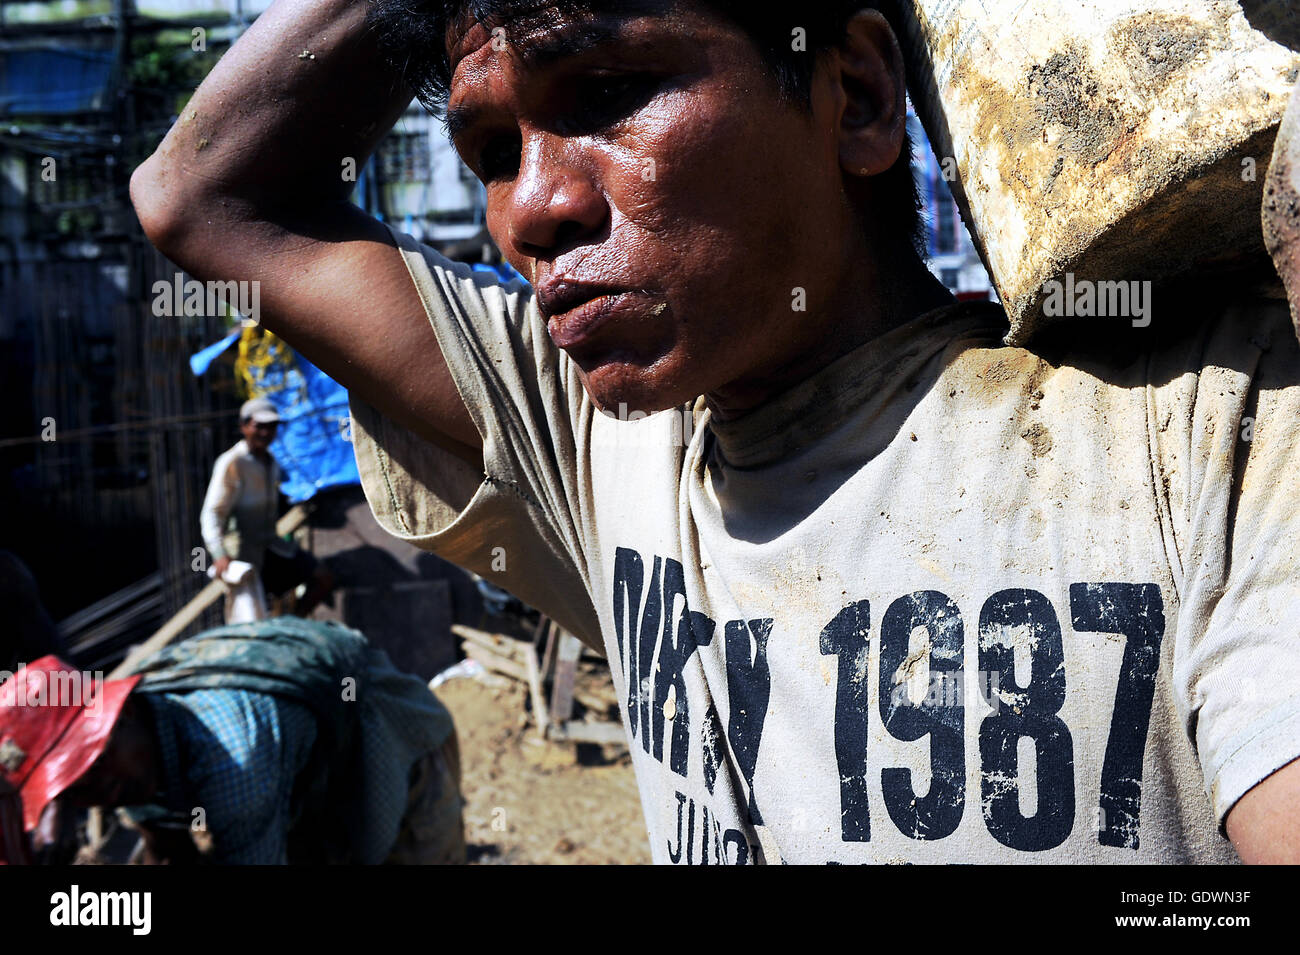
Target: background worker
{"points": [[287, 741], [240, 510]]}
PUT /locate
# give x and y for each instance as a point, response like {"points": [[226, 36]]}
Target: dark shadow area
{"points": [[487, 852], [1279, 20]]}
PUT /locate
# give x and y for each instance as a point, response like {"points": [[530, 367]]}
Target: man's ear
{"points": [[873, 122]]}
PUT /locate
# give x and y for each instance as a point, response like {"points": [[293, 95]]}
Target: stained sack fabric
{"points": [[373, 722]]}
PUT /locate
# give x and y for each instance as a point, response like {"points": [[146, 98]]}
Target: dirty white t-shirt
{"points": [[945, 601]]}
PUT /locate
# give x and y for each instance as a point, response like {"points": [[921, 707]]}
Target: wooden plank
{"points": [[535, 690], [496, 663], [602, 733], [547, 631], [566, 667], [496, 642], [95, 828], [172, 629], [595, 701]]}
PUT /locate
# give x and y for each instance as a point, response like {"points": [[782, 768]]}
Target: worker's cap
{"points": [[55, 721], [260, 410]]}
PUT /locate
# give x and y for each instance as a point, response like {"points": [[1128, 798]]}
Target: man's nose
{"points": [[555, 201]]}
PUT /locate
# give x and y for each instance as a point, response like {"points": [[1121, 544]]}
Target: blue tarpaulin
{"points": [[505, 271], [314, 442], [44, 81], [313, 445], [201, 360]]}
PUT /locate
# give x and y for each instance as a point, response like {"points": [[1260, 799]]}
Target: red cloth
{"points": [[46, 741]]}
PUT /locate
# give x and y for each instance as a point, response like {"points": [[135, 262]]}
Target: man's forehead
{"points": [[542, 32]]}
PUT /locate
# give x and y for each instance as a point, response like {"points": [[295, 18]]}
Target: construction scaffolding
{"points": [[106, 440]]}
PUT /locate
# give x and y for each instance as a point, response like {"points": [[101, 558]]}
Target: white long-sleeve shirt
{"points": [[240, 508]]}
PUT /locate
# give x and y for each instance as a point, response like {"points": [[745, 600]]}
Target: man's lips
{"points": [[558, 295], [576, 313]]}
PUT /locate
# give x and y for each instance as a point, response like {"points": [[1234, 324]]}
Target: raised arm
{"points": [[249, 185]]}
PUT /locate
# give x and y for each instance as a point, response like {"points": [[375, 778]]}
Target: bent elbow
{"points": [[162, 222]]}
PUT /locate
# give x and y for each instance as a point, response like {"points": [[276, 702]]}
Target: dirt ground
{"points": [[531, 801]]}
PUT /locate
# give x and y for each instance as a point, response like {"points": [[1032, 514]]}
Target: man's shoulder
{"points": [[233, 454], [1104, 354], [1186, 329], [230, 714]]}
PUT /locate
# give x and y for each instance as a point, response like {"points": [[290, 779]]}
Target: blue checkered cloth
{"points": [[235, 755], [373, 724]]}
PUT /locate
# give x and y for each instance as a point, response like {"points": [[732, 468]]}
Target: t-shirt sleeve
{"points": [[521, 523], [1228, 438]]}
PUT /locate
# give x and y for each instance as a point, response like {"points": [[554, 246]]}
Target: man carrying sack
{"points": [[874, 585]]}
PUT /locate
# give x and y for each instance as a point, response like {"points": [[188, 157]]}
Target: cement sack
{"points": [[1099, 140]]}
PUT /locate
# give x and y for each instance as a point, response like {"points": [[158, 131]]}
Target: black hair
{"points": [[412, 35]]}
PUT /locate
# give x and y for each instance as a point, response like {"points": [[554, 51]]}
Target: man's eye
{"points": [[499, 158], [603, 100]]}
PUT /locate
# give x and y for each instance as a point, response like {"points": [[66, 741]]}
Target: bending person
{"points": [[287, 741]]}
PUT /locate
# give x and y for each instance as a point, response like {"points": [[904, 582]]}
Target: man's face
{"points": [[126, 772], [669, 206], [258, 435]]}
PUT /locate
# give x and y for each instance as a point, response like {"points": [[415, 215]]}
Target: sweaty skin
{"points": [[665, 163], [663, 168]]}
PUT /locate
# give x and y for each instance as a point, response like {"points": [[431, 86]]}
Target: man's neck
{"points": [[868, 309], [262, 454]]}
